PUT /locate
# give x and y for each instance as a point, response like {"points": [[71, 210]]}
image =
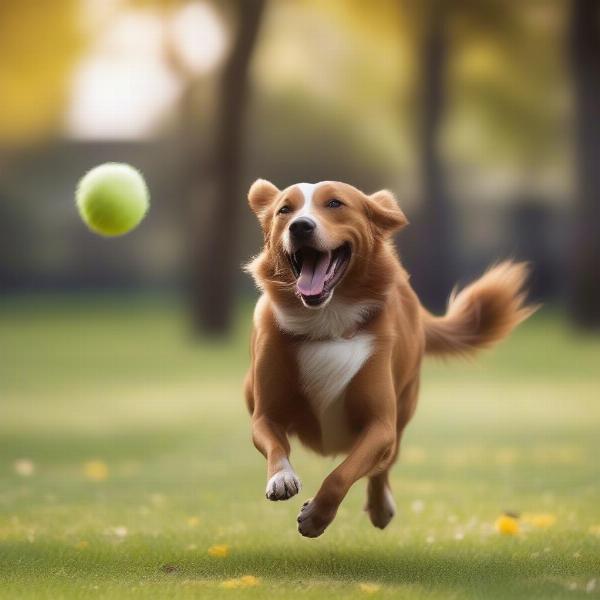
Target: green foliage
{"points": [[507, 82], [505, 79]]}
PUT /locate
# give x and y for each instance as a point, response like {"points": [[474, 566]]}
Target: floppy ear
{"points": [[385, 213], [260, 196]]}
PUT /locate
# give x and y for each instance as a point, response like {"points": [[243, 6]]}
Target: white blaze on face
{"points": [[307, 210], [307, 189]]}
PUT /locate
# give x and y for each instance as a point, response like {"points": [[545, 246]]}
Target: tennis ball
{"points": [[112, 198]]}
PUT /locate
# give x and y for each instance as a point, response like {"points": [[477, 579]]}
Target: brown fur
{"points": [[482, 314], [381, 397]]}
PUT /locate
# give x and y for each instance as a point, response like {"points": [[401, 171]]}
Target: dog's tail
{"points": [[481, 314]]}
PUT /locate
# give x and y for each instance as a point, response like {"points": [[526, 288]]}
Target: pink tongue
{"points": [[312, 277]]}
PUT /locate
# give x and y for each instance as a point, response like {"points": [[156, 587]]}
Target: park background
{"points": [[126, 466]]}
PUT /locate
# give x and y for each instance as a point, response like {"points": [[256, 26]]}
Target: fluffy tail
{"points": [[482, 314]]}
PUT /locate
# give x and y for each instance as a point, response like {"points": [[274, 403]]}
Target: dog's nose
{"points": [[302, 228]]}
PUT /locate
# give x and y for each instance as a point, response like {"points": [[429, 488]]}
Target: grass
{"points": [[116, 380]]}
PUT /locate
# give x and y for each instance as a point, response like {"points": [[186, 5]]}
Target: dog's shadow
{"points": [[352, 564], [445, 569]]}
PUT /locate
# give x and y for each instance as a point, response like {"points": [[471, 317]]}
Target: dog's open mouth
{"points": [[318, 272]]}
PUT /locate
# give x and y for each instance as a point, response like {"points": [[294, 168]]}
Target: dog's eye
{"points": [[334, 203], [284, 210]]}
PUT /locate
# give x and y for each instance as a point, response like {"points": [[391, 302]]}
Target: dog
{"points": [[339, 336]]}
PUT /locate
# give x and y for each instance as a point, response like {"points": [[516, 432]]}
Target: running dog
{"points": [[339, 336]]}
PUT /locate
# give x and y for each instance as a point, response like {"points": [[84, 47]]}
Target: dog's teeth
{"points": [[332, 266]]}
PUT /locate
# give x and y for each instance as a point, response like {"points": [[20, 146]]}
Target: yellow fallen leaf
{"points": [[219, 551], [369, 588], [241, 582], [542, 520], [95, 470], [507, 525], [193, 521]]}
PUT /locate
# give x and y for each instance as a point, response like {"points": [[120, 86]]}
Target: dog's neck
{"points": [[338, 319]]}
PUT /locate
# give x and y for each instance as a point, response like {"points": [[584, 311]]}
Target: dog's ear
{"points": [[261, 195], [385, 213]]}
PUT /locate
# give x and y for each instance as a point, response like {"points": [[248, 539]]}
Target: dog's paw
{"points": [[381, 509], [283, 485], [312, 521]]}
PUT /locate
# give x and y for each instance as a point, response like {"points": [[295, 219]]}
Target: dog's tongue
{"points": [[314, 269]]}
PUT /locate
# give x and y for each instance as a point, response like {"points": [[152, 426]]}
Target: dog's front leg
{"points": [[370, 401], [271, 391], [270, 439]]}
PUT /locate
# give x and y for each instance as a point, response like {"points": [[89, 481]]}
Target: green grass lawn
{"points": [[117, 380]]}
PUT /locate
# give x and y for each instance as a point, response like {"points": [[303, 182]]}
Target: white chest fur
{"points": [[326, 369], [332, 321]]}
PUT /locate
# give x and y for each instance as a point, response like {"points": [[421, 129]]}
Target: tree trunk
{"points": [[433, 278], [585, 66], [217, 252]]}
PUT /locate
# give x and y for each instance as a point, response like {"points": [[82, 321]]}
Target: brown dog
{"points": [[339, 336]]}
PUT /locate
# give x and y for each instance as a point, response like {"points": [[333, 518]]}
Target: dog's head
{"points": [[322, 238]]}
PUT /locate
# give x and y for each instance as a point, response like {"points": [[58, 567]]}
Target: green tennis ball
{"points": [[112, 198]]}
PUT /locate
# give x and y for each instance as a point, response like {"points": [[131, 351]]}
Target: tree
{"points": [[216, 253], [585, 66], [435, 273], [481, 71]]}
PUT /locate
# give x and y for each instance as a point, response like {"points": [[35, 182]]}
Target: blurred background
{"points": [[124, 439], [482, 117]]}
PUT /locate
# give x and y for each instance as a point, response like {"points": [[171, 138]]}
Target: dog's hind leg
{"points": [[380, 502], [380, 505]]}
